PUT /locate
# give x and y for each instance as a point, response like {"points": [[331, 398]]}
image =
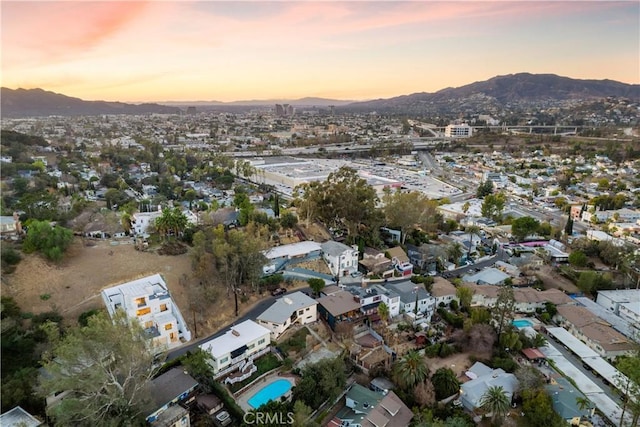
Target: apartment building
{"points": [[148, 300]]}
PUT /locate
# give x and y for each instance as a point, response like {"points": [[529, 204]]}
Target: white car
{"points": [[223, 418]]}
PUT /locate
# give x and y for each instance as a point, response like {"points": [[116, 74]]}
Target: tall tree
{"points": [[568, 228], [407, 211], [344, 199], [629, 384], [464, 295], [411, 370], [484, 189], [493, 206], [495, 402], [454, 252], [503, 310], [316, 284], [106, 367]]}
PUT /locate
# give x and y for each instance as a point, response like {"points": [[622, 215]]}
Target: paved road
{"points": [[252, 314]]}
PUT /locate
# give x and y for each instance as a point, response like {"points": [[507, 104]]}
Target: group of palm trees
{"points": [[171, 221], [411, 370]]}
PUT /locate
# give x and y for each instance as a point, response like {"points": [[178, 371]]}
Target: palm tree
{"points": [[411, 370], [583, 403], [383, 311], [538, 341], [473, 230], [445, 382], [495, 402]]}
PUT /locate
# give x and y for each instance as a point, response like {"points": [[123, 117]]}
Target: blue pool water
{"points": [[272, 391], [522, 323]]}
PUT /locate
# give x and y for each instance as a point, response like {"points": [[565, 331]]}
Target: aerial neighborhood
{"points": [[307, 266]]}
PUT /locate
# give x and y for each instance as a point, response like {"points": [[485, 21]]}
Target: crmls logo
{"points": [[262, 418]]}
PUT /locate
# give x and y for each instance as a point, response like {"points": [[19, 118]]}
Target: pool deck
{"points": [[243, 399]]}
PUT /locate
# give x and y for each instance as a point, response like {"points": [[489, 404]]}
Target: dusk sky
{"points": [[215, 50]]}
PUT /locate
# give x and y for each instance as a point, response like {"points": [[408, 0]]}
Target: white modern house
{"points": [[141, 221], [148, 300], [236, 350], [341, 259], [372, 296], [286, 311]]}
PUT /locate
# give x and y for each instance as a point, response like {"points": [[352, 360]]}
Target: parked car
{"points": [[279, 291], [223, 418]]}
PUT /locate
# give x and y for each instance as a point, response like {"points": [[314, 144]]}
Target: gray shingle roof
{"points": [[282, 309]]}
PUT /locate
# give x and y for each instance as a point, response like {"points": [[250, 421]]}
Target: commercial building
{"points": [[458, 131]]}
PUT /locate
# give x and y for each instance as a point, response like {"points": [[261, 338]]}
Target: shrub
{"points": [[83, 319]]}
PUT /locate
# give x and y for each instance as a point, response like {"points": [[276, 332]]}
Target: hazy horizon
{"points": [[352, 51]]}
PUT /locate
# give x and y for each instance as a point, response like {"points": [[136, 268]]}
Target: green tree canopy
{"points": [[408, 211], [493, 206], [410, 370], [484, 189], [445, 382], [106, 367], [578, 259], [523, 227], [316, 285], [52, 242]]}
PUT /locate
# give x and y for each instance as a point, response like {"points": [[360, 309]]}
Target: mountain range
{"points": [[495, 93]]}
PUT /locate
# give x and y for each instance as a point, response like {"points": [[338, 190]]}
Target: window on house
{"points": [[140, 301], [163, 307], [307, 309], [168, 327], [261, 341], [143, 311], [223, 360]]}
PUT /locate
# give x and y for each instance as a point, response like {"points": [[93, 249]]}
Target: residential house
{"points": [[236, 349], [10, 225], [367, 408], [142, 222], [488, 276], [483, 296], [400, 261], [593, 331], [148, 300], [171, 392], [18, 417], [278, 256], [482, 378], [443, 291], [340, 307], [564, 397], [412, 294], [286, 311], [374, 261], [425, 257], [341, 259], [371, 296], [529, 299], [228, 217]]}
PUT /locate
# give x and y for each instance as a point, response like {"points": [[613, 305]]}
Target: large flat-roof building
{"points": [[624, 302], [148, 300]]}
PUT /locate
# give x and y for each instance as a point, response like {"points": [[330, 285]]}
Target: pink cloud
{"points": [[49, 31]]}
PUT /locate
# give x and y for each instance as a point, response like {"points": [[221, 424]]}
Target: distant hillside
{"points": [[38, 102], [523, 88], [306, 102]]}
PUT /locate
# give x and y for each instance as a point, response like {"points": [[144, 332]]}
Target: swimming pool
{"points": [[522, 323], [272, 391]]}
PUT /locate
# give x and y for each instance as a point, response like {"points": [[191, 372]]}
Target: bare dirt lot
{"points": [[553, 280], [74, 286]]}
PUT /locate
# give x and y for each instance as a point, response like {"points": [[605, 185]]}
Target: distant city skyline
{"points": [[356, 50]]}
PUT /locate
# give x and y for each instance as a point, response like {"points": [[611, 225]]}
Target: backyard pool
{"points": [[522, 323], [269, 392]]}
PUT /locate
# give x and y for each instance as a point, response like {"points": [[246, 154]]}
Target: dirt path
{"points": [[553, 280]]}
